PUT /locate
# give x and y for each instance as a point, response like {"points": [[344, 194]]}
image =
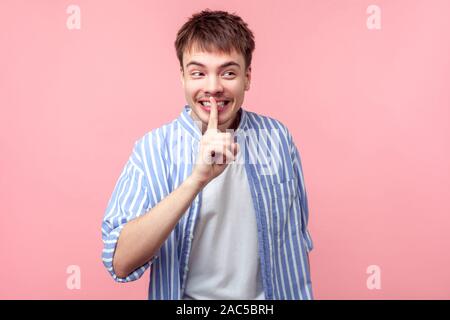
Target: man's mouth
{"points": [[221, 105]]}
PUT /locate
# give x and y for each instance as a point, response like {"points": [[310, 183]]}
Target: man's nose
{"points": [[213, 86]]}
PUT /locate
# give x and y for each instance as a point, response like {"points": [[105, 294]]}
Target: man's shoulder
{"points": [[154, 140], [159, 134], [259, 121]]}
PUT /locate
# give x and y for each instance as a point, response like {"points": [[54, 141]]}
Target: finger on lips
{"points": [[222, 144], [212, 123]]}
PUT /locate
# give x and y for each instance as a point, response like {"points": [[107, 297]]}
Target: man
{"points": [[213, 201]]}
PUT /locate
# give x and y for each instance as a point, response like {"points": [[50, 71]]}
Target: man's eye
{"points": [[229, 73], [196, 73]]}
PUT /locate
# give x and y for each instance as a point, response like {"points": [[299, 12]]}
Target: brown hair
{"points": [[215, 30]]}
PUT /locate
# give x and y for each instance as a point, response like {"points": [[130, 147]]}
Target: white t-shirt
{"points": [[224, 261]]}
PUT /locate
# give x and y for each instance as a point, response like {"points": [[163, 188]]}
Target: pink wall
{"points": [[369, 110]]}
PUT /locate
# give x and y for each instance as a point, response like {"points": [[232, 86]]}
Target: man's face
{"points": [[216, 74]]}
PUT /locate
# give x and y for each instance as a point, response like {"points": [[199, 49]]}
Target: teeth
{"points": [[207, 104]]}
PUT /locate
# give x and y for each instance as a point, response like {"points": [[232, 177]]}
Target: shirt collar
{"points": [[189, 125]]}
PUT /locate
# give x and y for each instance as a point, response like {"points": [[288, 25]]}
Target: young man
{"points": [[215, 200]]}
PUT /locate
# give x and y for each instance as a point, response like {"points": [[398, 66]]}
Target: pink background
{"points": [[369, 111]]}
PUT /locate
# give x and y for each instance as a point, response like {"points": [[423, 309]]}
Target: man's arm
{"points": [[298, 171], [143, 236]]}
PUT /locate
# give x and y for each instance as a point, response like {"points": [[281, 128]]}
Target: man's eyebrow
{"points": [[223, 65]]}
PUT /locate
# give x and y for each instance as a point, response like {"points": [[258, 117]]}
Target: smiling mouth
{"points": [[221, 105]]}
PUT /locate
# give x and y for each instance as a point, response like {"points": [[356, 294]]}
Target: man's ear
{"points": [[182, 76], [248, 78]]}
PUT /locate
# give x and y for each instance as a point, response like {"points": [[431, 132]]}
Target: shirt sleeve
{"points": [[129, 200], [298, 171]]}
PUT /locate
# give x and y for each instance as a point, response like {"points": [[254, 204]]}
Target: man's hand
{"points": [[217, 149]]}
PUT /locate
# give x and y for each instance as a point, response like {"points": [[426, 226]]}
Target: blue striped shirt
{"points": [[163, 158]]}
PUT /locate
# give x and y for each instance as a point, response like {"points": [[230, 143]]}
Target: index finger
{"points": [[212, 124]]}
